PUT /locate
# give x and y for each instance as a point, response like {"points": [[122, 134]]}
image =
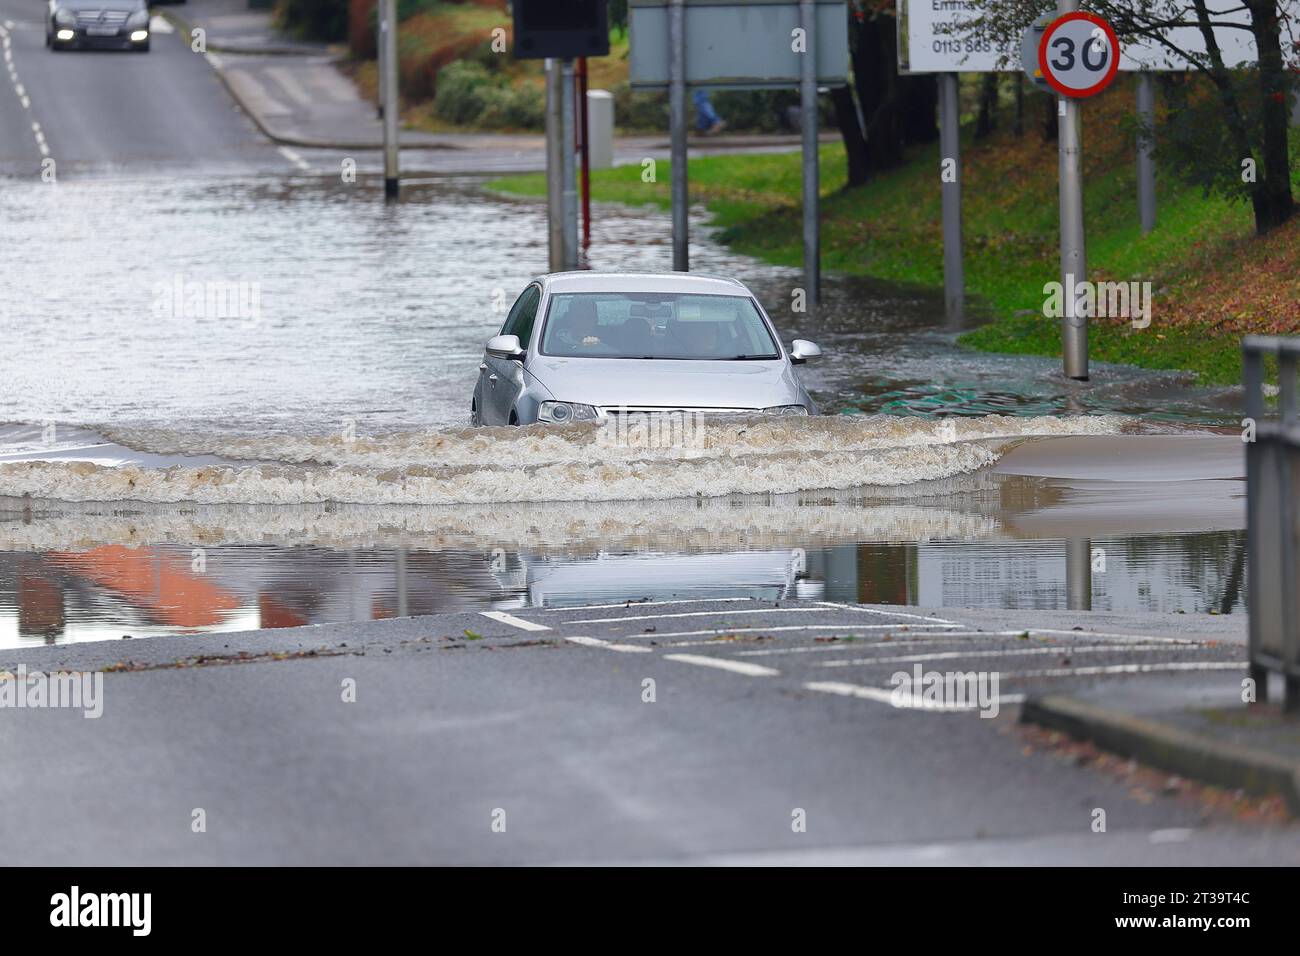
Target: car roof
{"points": [[697, 283]]}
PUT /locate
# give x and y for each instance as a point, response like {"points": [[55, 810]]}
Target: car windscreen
{"points": [[656, 325]]}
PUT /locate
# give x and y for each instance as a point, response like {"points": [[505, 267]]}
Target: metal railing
{"points": [[1272, 480]]}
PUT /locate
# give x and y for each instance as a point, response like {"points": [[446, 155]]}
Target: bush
{"points": [[471, 95], [325, 20], [639, 110], [507, 107], [461, 87]]}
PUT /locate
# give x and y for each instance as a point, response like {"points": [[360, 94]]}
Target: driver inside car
{"points": [[580, 328]]}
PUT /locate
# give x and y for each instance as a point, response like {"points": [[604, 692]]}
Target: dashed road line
{"points": [[1059, 649], [1095, 634], [631, 604], [872, 610], [725, 664], [658, 617], [19, 89], [882, 695], [293, 156], [609, 645], [939, 637], [1126, 669], [513, 621], [843, 628]]}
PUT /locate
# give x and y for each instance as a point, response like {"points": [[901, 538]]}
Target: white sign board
{"points": [[738, 44], [935, 37]]}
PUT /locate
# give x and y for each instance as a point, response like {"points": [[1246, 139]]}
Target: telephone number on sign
{"points": [[963, 46]]}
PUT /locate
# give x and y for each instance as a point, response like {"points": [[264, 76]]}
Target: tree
{"points": [[882, 112], [1245, 123]]}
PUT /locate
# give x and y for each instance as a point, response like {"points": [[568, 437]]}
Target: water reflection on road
{"points": [[979, 541]]}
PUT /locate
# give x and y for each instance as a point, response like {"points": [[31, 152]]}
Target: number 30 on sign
{"points": [[1079, 54]]}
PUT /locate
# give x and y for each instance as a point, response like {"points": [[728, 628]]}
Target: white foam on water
{"points": [[709, 524], [541, 463]]}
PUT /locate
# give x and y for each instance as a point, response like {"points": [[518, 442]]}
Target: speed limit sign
{"points": [[1078, 54]]}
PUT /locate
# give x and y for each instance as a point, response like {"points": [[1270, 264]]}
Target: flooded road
{"points": [[299, 454]]}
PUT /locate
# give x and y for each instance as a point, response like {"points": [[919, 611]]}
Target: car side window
{"points": [[523, 315]]}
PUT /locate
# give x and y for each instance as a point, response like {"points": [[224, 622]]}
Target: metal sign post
{"points": [[1078, 56], [1146, 162], [568, 166], [558, 33], [811, 170], [392, 104], [677, 126], [554, 166], [954, 278], [740, 45]]}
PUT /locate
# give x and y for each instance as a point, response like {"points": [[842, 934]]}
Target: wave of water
{"points": [[540, 463]]}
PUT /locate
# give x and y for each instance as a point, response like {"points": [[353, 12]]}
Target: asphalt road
{"points": [[117, 113], [541, 716]]}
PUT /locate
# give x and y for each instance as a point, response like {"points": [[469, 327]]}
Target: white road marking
{"points": [[844, 646], [1126, 669], [872, 610], [1121, 640], [655, 635], [609, 646], [293, 156], [513, 621], [655, 617], [161, 25], [631, 604], [906, 702], [1063, 649], [19, 90], [214, 60], [1093, 634], [725, 664], [289, 83], [1171, 835]]}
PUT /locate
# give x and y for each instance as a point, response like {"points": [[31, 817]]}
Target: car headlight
{"points": [[559, 412], [785, 410], [138, 19], [65, 18]]}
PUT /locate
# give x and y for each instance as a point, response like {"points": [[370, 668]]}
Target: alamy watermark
{"points": [[683, 430], [951, 690], [207, 299], [36, 690], [1107, 300]]}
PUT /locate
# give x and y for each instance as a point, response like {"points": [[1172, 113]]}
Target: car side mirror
{"points": [[801, 350], [505, 347]]}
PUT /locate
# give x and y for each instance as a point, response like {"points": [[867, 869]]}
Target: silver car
{"points": [[579, 346]]}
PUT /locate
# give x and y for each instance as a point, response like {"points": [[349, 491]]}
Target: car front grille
{"points": [[101, 18], [615, 410]]}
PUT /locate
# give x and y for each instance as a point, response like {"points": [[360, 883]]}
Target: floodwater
{"points": [[296, 451]]}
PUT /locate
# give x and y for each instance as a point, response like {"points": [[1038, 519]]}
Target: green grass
{"points": [[889, 229]]}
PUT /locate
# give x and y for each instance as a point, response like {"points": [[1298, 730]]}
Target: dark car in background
{"points": [[97, 24]]}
